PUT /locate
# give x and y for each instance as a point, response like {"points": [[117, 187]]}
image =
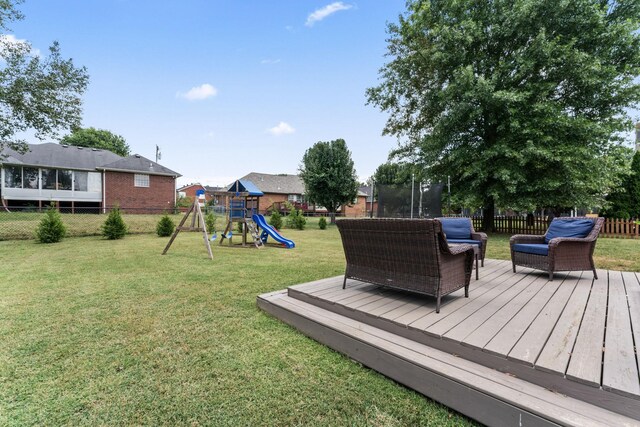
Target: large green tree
{"points": [[329, 176], [97, 138], [37, 93], [624, 200], [519, 101], [393, 173]]}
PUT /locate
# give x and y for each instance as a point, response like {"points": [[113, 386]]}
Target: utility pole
{"points": [[413, 181], [449, 194]]}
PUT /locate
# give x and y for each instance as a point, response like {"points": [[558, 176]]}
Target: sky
{"points": [[225, 88]]}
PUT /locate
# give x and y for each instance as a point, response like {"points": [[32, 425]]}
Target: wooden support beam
{"points": [[197, 212]]}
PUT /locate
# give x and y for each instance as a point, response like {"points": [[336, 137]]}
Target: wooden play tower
{"points": [[242, 201]]}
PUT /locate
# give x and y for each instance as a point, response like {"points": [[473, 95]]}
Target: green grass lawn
{"points": [[111, 332]]}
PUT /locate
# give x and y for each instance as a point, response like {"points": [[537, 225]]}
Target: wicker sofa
{"points": [[567, 245], [407, 254]]}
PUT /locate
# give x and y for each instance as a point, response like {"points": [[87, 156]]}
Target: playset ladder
{"points": [[197, 215], [253, 229]]}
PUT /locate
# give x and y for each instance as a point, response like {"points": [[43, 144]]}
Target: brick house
{"points": [[79, 177], [281, 188], [190, 191]]}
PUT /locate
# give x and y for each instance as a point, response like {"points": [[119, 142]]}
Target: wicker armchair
{"points": [[460, 230], [411, 255], [567, 245]]}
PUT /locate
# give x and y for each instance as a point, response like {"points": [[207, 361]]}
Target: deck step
{"points": [[484, 394]]}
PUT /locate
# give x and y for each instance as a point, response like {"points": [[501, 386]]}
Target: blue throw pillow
{"points": [[456, 228], [569, 228]]}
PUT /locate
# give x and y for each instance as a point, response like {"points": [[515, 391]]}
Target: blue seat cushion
{"points": [[456, 228], [569, 228], [532, 248], [469, 241]]}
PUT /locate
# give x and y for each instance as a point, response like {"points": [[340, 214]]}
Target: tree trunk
{"points": [[488, 224], [332, 215]]}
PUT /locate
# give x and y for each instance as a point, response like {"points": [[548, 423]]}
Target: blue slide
{"points": [[270, 231]]}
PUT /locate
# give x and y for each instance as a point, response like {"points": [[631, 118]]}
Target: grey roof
{"points": [[278, 184], [138, 163], [59, 156], [365, 190], [54, 155]]}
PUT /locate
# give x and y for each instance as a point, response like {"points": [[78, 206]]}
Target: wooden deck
{"points": [[572, 337]]}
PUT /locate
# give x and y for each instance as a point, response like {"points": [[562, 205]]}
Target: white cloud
{"points": [[198, 93], [281, 129], [270, 61], [322, 13]]}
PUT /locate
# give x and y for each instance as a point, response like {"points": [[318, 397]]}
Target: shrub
{"points": [[210, 222], [276, 220], [296, 220], [240, 225], [165, 226], [322, 223], [114, 226], [184, 202], [51, 228]]}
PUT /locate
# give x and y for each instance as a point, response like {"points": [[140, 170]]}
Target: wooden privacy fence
{"points": [[616, 228], [625, 228]]}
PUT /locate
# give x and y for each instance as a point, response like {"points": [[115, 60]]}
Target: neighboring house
{"points": [[277, 189], [190, 191], [79, 177], [282, 188]]}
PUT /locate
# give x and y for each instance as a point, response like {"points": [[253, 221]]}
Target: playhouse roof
{"points": [[244, 185]]}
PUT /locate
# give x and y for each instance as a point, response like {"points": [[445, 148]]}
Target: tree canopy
{"points": [[37, 93], [97, 138], [392, 173], [329, 176], [624, 201], [519, 101]]}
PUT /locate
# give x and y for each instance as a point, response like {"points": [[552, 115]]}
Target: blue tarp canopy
{"points": [[245, 186]]}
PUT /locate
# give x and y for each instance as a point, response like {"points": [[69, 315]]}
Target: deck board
{"points": [[533, 340], [511, 332], [492, 398], [585, 364], [513, 322], [620, 371], [632, 286], [487, 283], [511, 306], [451, 318], [554, 356], [459, 325]]}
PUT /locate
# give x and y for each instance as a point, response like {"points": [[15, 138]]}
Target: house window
{"points": [[30, 178], [49, 179], [65, 179], [295, 198], [13, 177], [141, 180], [80, 180]]}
